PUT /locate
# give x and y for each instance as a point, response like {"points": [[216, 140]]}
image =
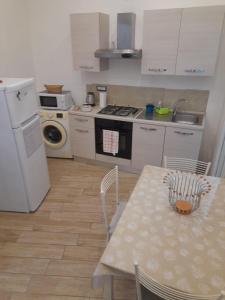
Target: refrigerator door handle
{"points": [[30, 121], [18, 95]]}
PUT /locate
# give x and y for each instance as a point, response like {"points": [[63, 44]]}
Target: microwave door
{"points": [[48, 101]]}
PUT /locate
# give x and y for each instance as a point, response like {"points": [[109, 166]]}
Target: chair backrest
{"points": [[111, 178], [166, 292], [187, 165]]}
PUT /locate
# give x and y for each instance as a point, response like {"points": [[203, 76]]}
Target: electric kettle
{"points": [[90, 99]]}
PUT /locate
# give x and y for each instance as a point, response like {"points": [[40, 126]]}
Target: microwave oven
{"points": [[61, 101]]}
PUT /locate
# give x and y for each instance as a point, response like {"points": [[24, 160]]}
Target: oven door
{"points": [[125, 136]]}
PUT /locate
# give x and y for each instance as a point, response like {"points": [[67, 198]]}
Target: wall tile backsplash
{"points": [[196, 100]]}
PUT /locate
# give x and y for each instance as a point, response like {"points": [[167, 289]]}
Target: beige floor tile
{"points": [[51, 206], [93, 240], [98, 228], [9, 235], [48, 238], [76, 216], [83, 253], [70, 268], [20, 296], [64, 226], [13, 282], [16, 225], [32, 250], [23, 265], [124, 289], [25, 219], [82, 207], [5, 295], [66, 286]]}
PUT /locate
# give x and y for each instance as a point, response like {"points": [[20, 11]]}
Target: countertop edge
{"points": [[94, 114]]}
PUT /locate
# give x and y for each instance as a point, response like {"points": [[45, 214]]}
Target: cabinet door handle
{"points": [[194, 71], [157, 70], [184, 133], [86, 67], [81, 120], [81, 131], [149, 129]]}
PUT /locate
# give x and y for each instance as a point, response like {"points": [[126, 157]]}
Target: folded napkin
{"points": [[110, 141]]}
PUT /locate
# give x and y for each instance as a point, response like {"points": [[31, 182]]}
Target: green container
{"points": [[163, 110]]}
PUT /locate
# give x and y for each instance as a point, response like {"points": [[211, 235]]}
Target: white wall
{"points": [[50, 34], [15, 46]]}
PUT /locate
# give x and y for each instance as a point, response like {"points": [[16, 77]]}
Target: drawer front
{"points": [[81, 122], [181, 142], [146, 155], [83, 143], [147, 134]]}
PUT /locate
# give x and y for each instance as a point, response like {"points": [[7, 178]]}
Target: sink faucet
{"points": [[175, 106]]}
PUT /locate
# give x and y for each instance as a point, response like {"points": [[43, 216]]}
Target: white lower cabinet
{"points": [[181, 142], [83, 136], [147, 145]]}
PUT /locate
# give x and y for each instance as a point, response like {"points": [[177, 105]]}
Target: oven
{"points": [[125, 136]]}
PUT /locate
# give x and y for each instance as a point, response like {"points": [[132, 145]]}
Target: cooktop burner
{"points": [[123, 111]]}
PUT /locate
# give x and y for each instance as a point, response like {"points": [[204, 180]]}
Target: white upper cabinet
{"points": [[200, 33], [160, 41], [89, 32]]}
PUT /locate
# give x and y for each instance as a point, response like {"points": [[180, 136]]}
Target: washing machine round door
{"points": [[54, 134]]}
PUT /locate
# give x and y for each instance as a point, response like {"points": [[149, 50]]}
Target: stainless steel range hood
{"points": [[125, 39]]}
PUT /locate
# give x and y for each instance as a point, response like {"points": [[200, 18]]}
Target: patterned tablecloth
{"points": [[184, 252]]}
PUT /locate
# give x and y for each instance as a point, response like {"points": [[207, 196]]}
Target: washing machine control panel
{"points": [[53, 115]]}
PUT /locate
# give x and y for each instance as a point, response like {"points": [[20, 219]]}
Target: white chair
{"points": [[149, 289], [110, 179], [187, 165]]}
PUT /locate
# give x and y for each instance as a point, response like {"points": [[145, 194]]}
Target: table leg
{"points": [[108, 288]]}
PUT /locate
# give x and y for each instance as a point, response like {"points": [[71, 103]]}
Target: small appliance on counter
{"points": [[102, 96], [90, 99], [61, 101]]}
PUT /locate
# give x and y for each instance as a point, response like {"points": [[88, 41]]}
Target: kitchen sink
{"points": [[187, 118]]}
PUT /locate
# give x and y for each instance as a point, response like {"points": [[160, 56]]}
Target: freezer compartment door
{"points": [[33, 161], [22, 104]]}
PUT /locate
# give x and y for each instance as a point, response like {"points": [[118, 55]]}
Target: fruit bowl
{"points": [[186, 190]]}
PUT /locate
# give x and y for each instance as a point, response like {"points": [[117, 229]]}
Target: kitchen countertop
{"points": [[160, 120]]}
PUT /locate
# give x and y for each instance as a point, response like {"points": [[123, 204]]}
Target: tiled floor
{"points": [[52, 253]]}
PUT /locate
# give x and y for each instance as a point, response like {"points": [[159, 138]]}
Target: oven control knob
{"points": [[50, 115]]}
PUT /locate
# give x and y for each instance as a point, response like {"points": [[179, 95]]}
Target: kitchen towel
{"points": [[110, 141]]}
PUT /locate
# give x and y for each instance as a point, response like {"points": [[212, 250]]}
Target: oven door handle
{"points": [[149, 129], [81, 131]]}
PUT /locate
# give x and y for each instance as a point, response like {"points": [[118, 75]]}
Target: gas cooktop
{"points": [[115, 110]]}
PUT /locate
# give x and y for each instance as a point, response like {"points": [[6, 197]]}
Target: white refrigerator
{"points": [[24, 179]]}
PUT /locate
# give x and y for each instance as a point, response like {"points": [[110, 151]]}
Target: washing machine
{"points": [[56, 133]]}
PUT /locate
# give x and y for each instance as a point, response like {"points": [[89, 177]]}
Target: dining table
{"points": [[184, 252]]}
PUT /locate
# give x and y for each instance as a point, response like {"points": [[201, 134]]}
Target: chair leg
{"points": [[108, 288]]}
